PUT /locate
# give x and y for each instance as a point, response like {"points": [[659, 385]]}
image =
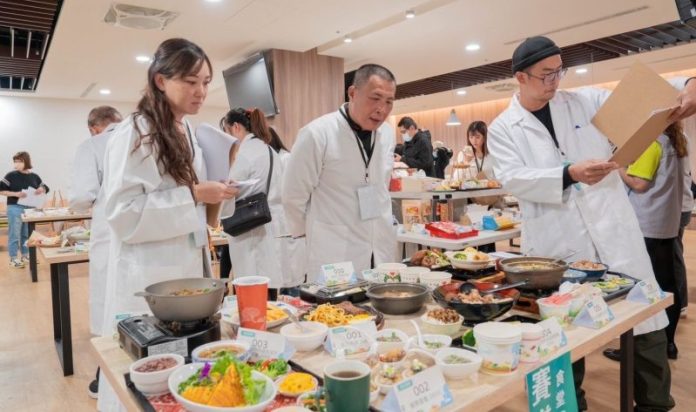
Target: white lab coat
{"points": [[158, 232], [320, 195], [292, 251], [257, 252], [85, 193], [596, 221]]}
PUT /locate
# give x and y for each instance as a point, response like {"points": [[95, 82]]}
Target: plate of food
{"points": [[432, 259], [470, 259], [275, 316], [341, 314]]}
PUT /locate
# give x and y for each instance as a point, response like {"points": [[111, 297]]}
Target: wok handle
{"points": [[143, 294], [506, 287]]}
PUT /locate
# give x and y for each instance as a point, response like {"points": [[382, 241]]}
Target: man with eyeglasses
{"points": [[548, 154]]}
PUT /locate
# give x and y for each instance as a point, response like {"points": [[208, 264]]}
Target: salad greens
{"points": [[272, 368]]}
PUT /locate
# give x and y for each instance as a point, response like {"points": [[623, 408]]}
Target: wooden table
{"points": [[31, 221], [483, 238], [60, 299], [489, 392]]}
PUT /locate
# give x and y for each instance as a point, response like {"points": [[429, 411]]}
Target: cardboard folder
{"points": [[636, 113]]}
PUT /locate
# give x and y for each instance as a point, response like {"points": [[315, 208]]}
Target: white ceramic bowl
{"points": [[185, 371], [433, 280], [467, 264], [292, 408], [384, 348], [390, 271], [445, 340], [153, 383], [459, 370], [429, 325], [401, 335], [412, 274], [296, 394], [242, 354], [305, 341]]}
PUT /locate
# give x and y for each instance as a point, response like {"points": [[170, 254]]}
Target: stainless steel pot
{"points": [[170, 308], [547, 277], [417, 295]]}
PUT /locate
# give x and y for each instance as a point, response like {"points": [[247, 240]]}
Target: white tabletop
{"points": [[483, 238], [466, 194]]}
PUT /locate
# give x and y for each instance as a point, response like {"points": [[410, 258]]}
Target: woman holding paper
{"points": [[255, 252], [13, 186], [155, 188], [655, 183]]}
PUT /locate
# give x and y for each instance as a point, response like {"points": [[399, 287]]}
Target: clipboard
{"points": [[636, 112]]}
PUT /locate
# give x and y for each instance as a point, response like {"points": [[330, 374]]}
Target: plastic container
{"points": [[560, 312], [412, 274], [390, 272], [531, 337], [499, 344]]}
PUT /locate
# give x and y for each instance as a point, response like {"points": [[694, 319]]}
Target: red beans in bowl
{"points": [[155, 365]]}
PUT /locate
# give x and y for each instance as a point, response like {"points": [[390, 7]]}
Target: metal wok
{"points": [[539, 272], [171, 308]]}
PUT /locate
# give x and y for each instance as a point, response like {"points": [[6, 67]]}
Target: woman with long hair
{"points": [[655, 183], [155, 188], [480, 164], [256, 252]]}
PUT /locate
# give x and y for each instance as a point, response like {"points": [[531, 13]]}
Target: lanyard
{"points": [[479, 168], [361, 147]]}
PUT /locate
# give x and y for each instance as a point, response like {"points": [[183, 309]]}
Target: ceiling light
{"points": [[461, 92], [104, 92], [213, 1], [347, 39], [453, 119], [410, 14], [581, 70], [143, 59], [473, 47]]}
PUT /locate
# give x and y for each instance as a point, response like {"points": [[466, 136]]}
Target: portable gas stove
{"points": [[143, 336]]}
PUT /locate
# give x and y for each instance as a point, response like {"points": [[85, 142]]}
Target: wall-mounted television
{"points": [[250, 84]]}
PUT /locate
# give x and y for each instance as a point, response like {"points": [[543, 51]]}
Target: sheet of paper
{"points": [[636, 112], [32, 199], [216, 146]]}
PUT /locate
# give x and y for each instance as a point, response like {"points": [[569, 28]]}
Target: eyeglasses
{"points": [[549, 78]]}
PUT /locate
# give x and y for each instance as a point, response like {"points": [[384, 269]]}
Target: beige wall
{"points": [[306, 86]]}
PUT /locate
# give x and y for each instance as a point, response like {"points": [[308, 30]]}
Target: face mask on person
{"points": [[407, 138]]}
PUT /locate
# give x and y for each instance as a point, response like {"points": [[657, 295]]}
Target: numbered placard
{"points": [[265, 345], [337, 273], [595, 314], [646, 291], [370, 275], [553, 337], [348, 340], [424, 392]]}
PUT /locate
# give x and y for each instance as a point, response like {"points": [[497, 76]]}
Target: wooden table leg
{"points": [[627, 371]]}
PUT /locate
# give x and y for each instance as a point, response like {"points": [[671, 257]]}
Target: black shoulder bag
{"points": [[250, 212]]}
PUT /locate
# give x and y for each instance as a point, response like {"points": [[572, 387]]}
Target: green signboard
{"points": [[550, 387]]}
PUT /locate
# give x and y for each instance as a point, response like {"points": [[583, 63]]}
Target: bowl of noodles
{"points": [[342, 314]]}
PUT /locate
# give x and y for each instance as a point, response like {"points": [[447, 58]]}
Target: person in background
{"points": [[687, 209], [336, 187], [480, 164], [656, 183], [86, 193], [11, 186], [549, 156], [155, 189], [256, 252], [293, 253], [441, 159], [418, 151], [399, 149]]}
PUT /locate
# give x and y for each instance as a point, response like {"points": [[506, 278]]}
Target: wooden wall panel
{"points": [[307, 85]]}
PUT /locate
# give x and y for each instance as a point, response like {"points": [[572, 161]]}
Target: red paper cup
{"points": [[252, 299]]}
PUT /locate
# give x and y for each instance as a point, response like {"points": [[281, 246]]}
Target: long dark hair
{"points": [[276, 143], [173, 58], [252, 120], [675, 132], [480, 127]]}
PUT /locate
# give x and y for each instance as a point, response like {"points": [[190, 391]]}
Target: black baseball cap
{"points": [[532, 50]]}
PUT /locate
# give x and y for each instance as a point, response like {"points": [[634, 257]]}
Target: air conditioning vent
{"points": [[139, 18]]}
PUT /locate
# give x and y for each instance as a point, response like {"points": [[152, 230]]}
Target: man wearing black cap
{"points": [[549, 155]]}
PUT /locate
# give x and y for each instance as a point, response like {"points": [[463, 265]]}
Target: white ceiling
{"points": [[85, 50]]}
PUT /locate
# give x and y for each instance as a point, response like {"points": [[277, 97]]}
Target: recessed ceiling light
{"points": [[213, 1], [104, 91], [473, 47], [142, 59], [581, 70], [410, 14], [347, 39], [461, 92]]}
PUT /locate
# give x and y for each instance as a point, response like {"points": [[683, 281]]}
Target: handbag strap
{"points": [[270, 172]]}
